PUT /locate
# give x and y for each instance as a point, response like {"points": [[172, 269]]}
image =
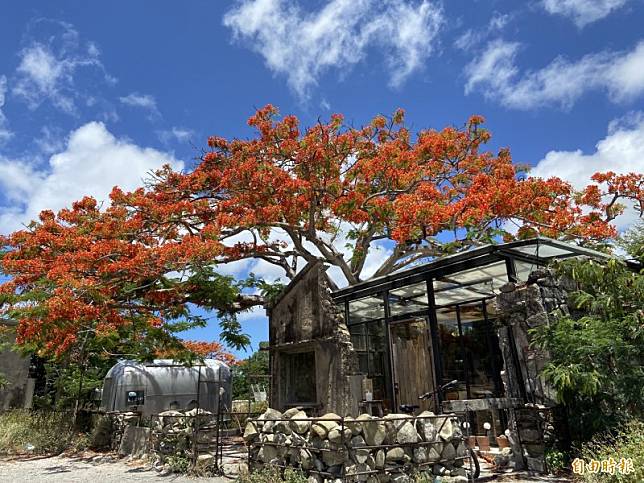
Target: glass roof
{"points": [[412, 298], [472, 284], [488, 277], [542, 250], [457, 279], [366, 308]]}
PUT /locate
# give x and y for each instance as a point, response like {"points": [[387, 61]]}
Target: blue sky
{"points": [[94, 94]]}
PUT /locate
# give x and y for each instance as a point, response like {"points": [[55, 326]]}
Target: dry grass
{"points": [[29, 432]]}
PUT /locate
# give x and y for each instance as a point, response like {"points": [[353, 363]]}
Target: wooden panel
{"points": [[412, 360]]}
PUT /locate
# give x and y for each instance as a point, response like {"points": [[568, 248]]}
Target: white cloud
{"points": [[268, 271], [562, 82], [5, 132], [47, 70], [50, 140], [582, 12], [255, 314], [473, 37], [378, 253], [179, 134], [303, 45], [235, 268], [499, 21], [93, 162], [621, 151], [144, 101]]}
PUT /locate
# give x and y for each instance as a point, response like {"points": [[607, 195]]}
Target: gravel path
{"points": [[76, 469]]}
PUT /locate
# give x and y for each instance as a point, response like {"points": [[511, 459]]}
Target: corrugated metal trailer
{"points": [[151, 388]]}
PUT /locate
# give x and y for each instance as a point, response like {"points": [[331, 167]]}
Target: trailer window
{"points": [[135, 398]]}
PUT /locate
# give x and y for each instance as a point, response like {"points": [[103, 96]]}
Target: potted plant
{"points": [[502, 441], [483, 443]]}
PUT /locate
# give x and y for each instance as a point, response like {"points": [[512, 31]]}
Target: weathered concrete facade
{"points": [[18, 392], [311, 348]]}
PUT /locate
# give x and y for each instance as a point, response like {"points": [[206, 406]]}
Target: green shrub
{"points": [[555, 460], [23, 431], [178, 464], [424, 477], [80, 442], [627, 443], [271, 474]]}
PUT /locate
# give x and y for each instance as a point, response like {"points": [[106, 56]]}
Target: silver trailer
{"points": [[150, 388]]}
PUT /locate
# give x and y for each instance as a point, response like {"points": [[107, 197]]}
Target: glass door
{"points": [[469, 350]]}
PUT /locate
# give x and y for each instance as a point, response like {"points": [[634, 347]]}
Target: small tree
{"points": [[246, 371]]}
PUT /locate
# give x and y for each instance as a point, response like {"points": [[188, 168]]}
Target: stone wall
{"points": [[330, 448], [305, 320], [522, 307], [190, 436]]}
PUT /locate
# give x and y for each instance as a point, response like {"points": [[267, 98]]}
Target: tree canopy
{"points": [[287, 195]]}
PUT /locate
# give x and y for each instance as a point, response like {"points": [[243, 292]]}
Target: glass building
{"points": [[422, 327]]}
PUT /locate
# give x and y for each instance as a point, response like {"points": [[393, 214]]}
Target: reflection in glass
{"points": [[369, 343], [365, 309], [524, 269], [469, 350], [405, 300], [469, 285], [479, 344], [451, 353]]}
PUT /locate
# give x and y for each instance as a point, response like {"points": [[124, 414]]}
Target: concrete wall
{"points": [[304, 319], [18, 392]]}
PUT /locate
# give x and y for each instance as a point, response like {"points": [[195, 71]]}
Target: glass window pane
{"points": [[524, 269], [478, 360], [367, 308], [340, 308], [472, 284], [450, 352], [369, 343], [412, 298], [481, 351], [358, 337]]}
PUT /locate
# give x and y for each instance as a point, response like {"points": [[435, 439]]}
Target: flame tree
{"points": [[123, 277]]}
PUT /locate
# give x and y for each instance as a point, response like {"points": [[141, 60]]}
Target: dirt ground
{"points": [[87, 469], [105, 469]]}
